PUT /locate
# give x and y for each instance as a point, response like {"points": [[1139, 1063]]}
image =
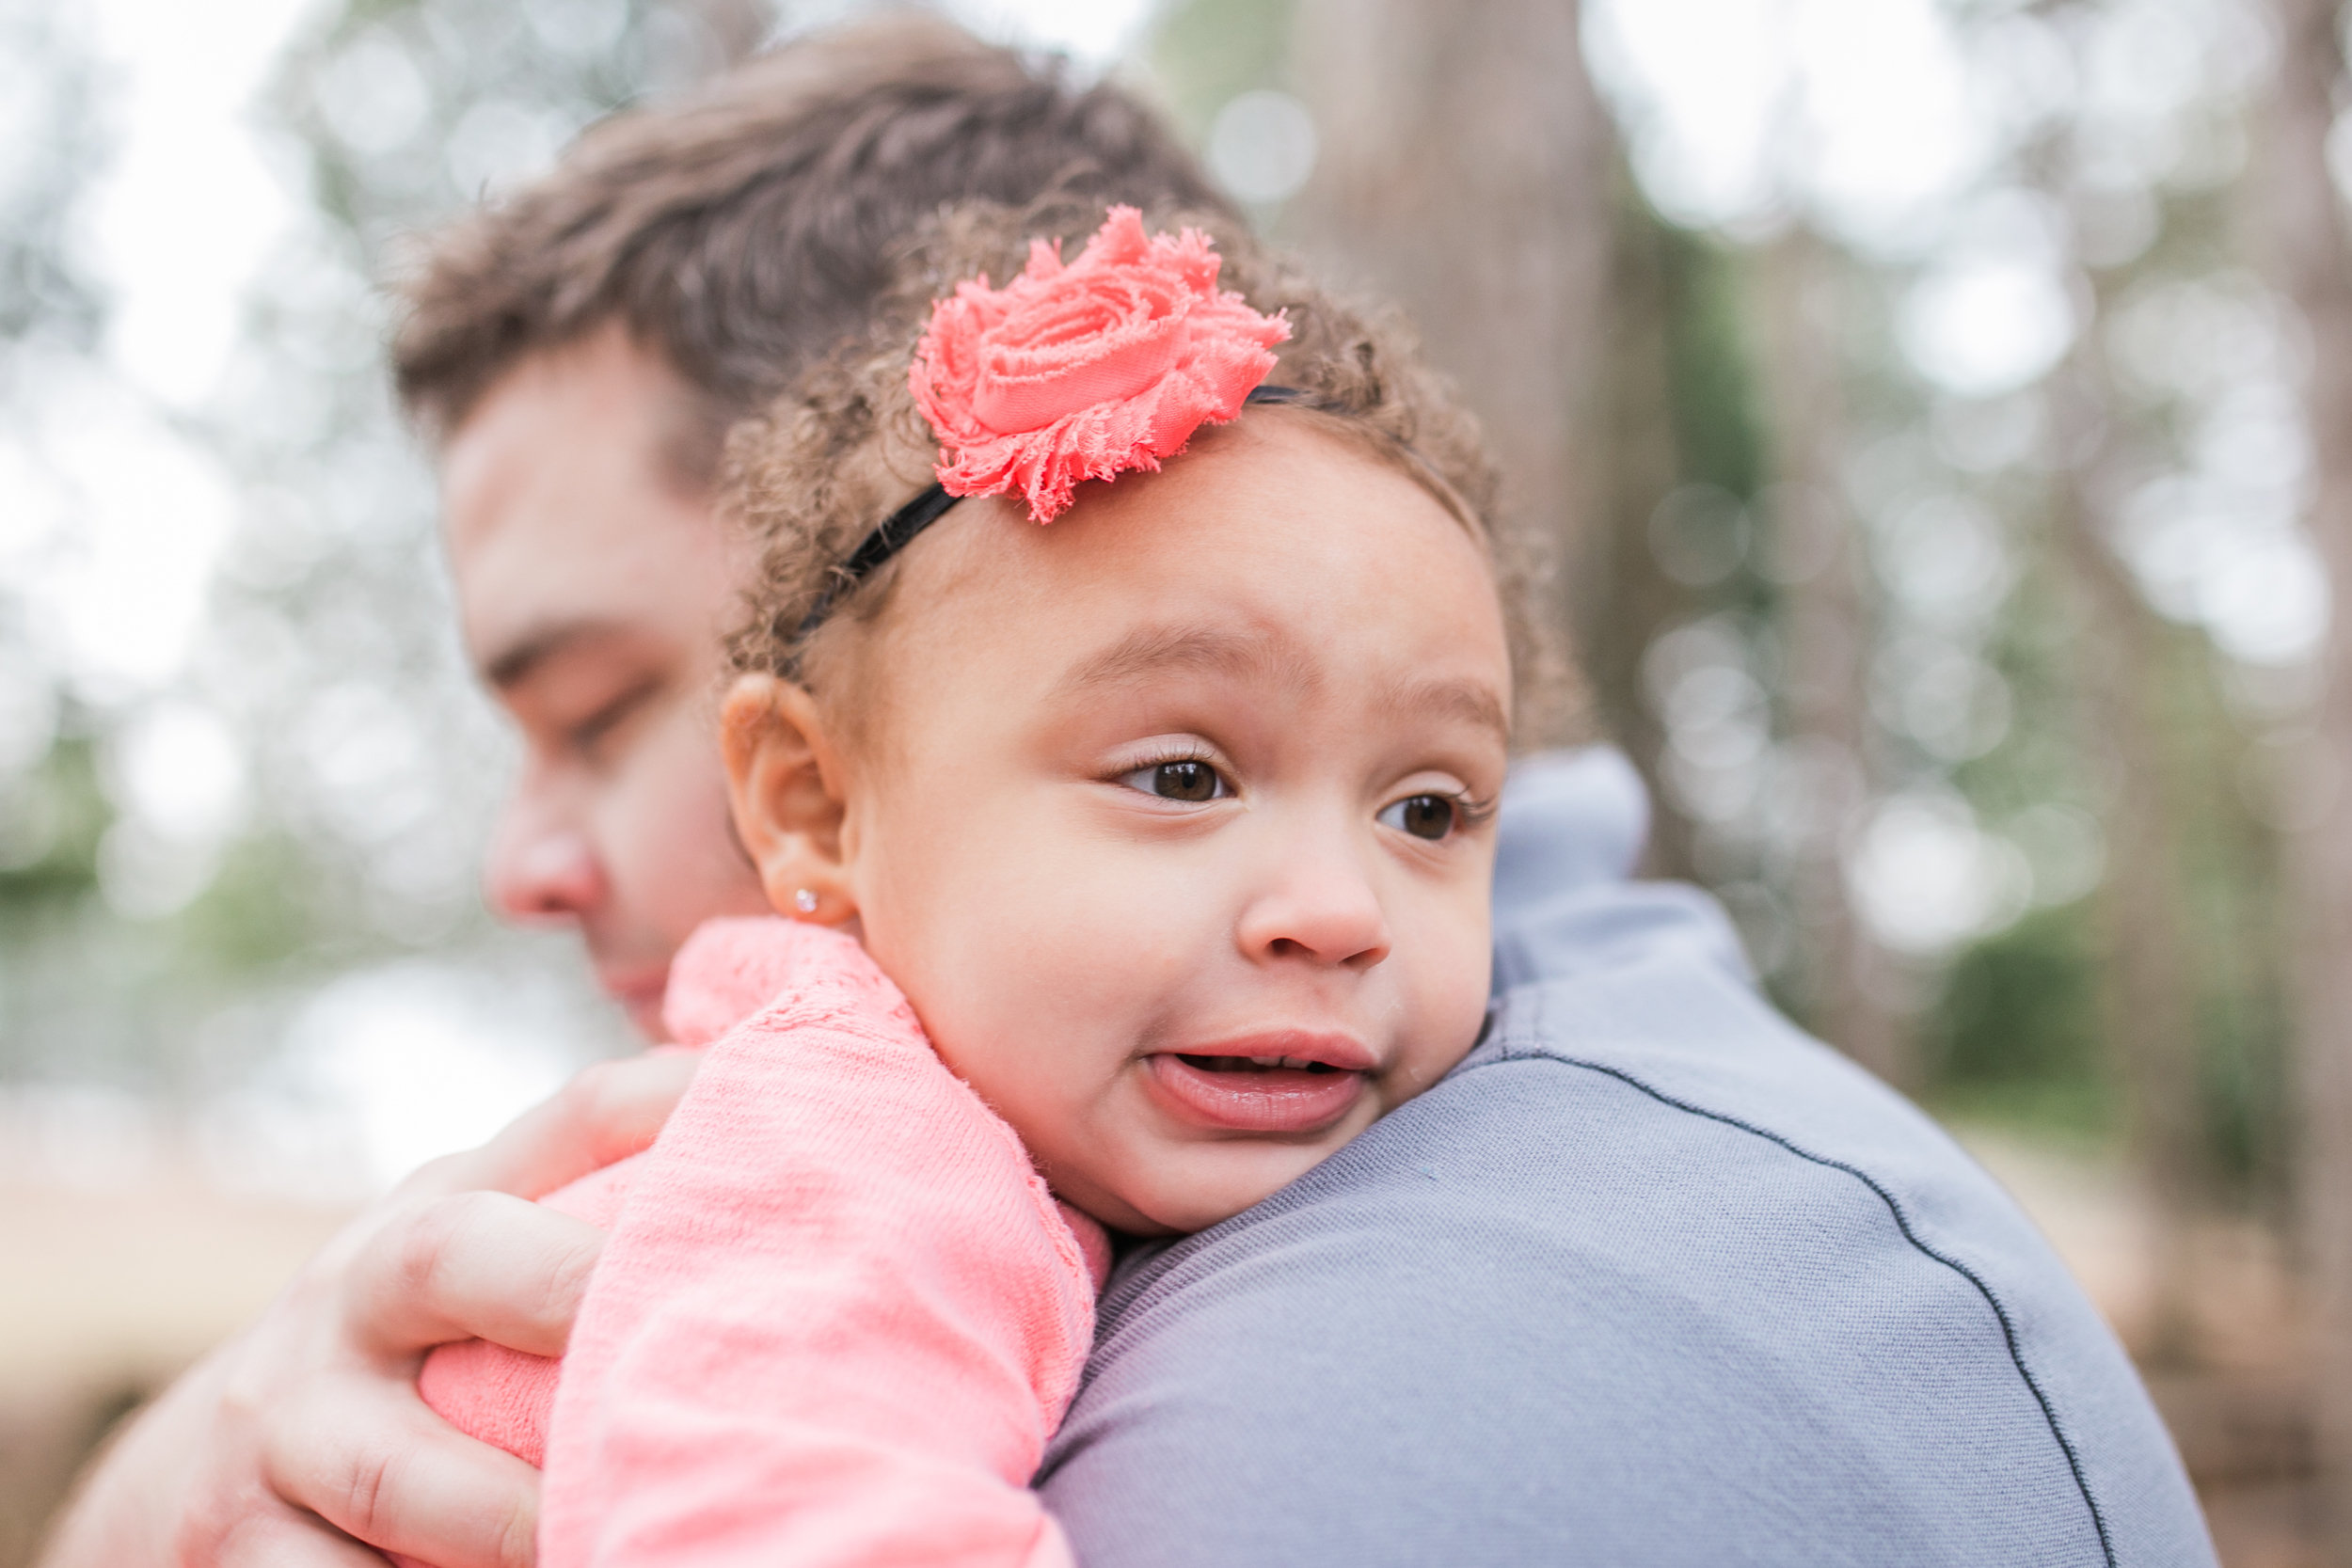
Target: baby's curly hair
{"points": [[821, 468]]}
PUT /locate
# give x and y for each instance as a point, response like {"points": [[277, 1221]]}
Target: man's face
{"points": [[594, 584]]}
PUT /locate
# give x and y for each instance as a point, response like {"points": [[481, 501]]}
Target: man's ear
{"points": [[784, 786]]}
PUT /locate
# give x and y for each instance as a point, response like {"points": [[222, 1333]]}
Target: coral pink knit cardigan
{"points": [[838, 1314]]}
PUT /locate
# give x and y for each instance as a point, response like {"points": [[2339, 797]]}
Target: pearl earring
{"points": [[805, 901]]}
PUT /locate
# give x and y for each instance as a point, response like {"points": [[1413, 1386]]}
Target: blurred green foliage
{"points": [[2015, 1035], [57, 815], [1203, 54], [1715, 404]]}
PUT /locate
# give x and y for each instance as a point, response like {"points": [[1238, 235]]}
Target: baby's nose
{"points": [[1321, 908]]}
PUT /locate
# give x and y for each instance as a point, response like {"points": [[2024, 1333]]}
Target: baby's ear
{"points": [[784, 786]]}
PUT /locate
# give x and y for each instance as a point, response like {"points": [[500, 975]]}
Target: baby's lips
{"points": [[1278, 1101]]}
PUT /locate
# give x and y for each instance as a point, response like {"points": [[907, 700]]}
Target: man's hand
{"points": [[302, 1443]]}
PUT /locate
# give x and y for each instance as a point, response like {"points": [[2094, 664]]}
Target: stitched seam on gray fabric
{"points": [[1903, 1223]]}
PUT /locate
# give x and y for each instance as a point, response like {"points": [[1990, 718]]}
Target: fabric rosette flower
{"points": [[1087, 370]]}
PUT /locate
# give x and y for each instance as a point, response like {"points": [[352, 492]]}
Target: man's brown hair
{"points": [[743, 233]]}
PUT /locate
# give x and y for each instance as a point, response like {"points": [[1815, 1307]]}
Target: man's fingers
{"points": [[458, 1253], [281, 1538], [606, 1113], [477, 1266], [401, 1481]]}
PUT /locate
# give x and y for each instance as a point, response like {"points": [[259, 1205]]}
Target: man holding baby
{"points": [[1648, 1278]]}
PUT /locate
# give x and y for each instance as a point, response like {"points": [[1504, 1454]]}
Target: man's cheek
{"points": [[671, 846]]}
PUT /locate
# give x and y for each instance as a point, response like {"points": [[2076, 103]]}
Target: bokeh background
{"points": [[1942, 410]]}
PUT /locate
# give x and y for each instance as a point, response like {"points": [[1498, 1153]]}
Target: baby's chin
{"points": [[1179, 1191]]}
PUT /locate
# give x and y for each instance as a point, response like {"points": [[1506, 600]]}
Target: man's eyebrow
{"points": [[1157, 649], [515, 664]]}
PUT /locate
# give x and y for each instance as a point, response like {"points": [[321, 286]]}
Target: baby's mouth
{"points": [[1298, 1091], [1255, 1064]]}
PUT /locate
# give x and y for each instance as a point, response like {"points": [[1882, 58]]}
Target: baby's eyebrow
{"points": [[1155, 650], [1473, 702]]}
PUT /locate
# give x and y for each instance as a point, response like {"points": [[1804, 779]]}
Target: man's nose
{"points": [[1319, 906], [540, 870]]}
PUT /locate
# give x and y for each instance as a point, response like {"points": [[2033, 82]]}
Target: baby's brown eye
{"points": [[1422, 815], [1184, 781]]}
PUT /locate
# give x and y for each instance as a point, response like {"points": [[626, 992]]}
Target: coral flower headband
{"points": [[1075, 372]]}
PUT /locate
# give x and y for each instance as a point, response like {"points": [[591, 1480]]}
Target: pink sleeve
{"points": [[839, 1315]]}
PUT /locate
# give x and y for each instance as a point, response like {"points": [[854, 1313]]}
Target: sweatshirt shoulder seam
{"points": [[1902, 1223]]}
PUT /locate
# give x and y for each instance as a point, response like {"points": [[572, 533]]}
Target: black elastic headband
{"points": [[900, 528]]}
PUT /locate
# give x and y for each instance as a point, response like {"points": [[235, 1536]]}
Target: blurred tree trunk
{"points": [[1619, 599], [1466, 172], [2314, 265], [1826, 621], [2148, 976]]}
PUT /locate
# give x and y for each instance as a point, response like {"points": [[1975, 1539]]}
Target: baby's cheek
{"points": [[1452, 1004], [1022, 1021]]}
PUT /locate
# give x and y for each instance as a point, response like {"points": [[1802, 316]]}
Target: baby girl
{"points": [[1169, 822]]}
